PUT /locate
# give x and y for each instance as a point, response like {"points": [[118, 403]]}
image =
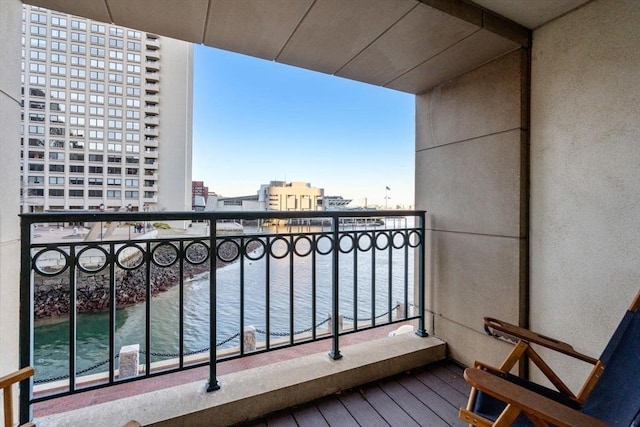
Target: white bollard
{"points": [[249, 338], [129, 360], [340, 323]]}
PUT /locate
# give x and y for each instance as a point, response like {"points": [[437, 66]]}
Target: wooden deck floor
{"points": [[429, 396]]}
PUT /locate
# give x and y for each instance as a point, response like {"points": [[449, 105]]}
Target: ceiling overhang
{"points": [[407, 45]]}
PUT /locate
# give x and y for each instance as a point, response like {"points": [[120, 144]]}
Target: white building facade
{"points": [[291, 196], [95, 128]]}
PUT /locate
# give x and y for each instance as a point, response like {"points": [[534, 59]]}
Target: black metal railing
{"points": [[95, 282]]}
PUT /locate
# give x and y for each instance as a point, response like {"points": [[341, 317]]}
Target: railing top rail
{"points": [[94, 216]]}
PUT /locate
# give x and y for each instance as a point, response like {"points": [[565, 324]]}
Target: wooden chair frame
{"points": [[539, 409], [6, 384]]}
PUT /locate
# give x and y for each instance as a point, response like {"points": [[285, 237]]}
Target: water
{"points": [[52, 341]]}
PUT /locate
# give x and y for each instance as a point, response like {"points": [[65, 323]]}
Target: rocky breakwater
{"points": [[52, 294]]}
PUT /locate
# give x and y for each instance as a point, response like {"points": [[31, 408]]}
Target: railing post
{"points": [[335, 331], [421, 332], [213, 383], [26, 307]]}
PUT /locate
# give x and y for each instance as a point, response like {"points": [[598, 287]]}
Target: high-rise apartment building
{"points": [[106, 118]]}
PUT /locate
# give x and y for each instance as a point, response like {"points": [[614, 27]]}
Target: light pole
{"points": [[101, 207], [145, 208], [386, 197]]}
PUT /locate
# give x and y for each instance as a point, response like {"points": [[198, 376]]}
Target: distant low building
{"points": [[291, 196], [240, 203], [334, 203]]}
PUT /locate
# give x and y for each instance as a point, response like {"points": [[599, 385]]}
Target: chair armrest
{"points": [[16, 377], [529, 402], [509, 330]]}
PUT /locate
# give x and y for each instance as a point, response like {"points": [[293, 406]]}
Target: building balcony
{"points": [[150, 154], [151, 131], [152, 65], [153, 187], [151, 175], [147, 198], [151, 98], [151, 142], [152, 43], [338, 300], [152, 76], [151, 109], [151, 120], [153, 54], [151, 88]]}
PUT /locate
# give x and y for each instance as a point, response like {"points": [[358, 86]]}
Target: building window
{"points": [[95, 193], [76, 168], [94, 169], [36, 180], [76, 181], [78, 25], [36, 130], [56, 180], [56, 168], [76, 193], [56, 192]]}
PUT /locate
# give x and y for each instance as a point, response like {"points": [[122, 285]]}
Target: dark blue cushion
{"points": [[616, 397]]}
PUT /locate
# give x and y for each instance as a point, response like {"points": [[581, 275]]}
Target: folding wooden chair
{"points": [[609, 396], [6, 384]]}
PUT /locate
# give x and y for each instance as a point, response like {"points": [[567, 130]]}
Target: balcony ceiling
{"points": [[407, 45]]}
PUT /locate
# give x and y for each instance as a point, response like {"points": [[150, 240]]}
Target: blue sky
{"points": [[255, 121]]}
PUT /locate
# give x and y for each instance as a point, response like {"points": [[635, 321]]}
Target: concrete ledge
{"points": [[251, 393]]}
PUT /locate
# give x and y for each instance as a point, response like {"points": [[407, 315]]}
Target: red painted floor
{"points": [[92, 397]]}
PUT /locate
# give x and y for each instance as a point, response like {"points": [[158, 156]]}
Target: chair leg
{"points": [[508, 416], [473, 419], [8, 405]]}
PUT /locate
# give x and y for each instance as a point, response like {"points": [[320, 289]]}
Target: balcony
{"points": [[152, 87], [151, 120], [151, 109], [152, 43], [151, 98], [153, 54], [152, 65], [150, 154], [151, 142], [152, 76], [151, 131], [280, 280]]}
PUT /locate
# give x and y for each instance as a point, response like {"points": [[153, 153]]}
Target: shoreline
{"points": [[52, 294]]}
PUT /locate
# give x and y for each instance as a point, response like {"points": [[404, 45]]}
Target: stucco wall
{"points": [[471, 177], [585, 174], [10, 28], [176, 115]]}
